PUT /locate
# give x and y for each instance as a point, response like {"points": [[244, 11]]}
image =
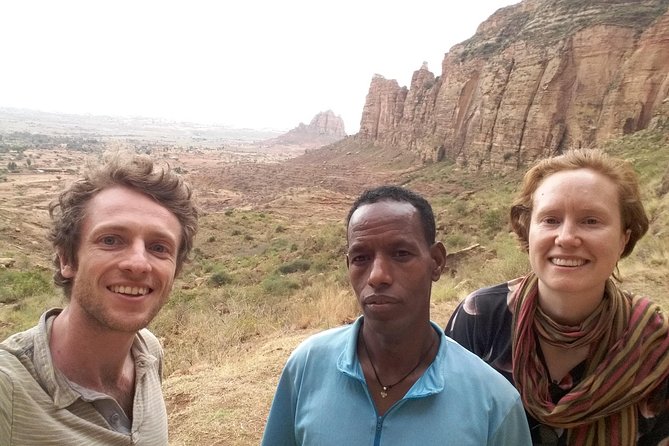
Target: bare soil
{"points": [[227, 403]]}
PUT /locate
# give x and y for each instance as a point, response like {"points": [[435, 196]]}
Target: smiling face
{"points": [[126, 260], [391, 265], [576, 236]]}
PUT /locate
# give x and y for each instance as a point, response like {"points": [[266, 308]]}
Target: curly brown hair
{"points": [[137, 172], [621, 172]]}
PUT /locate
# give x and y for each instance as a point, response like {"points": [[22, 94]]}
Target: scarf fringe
{"points": [[630, 359]]}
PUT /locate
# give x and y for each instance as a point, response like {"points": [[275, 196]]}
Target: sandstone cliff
{"points": [[537, 78], [325, 125], [325, 128]]}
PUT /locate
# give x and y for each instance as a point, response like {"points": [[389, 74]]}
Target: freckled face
{"points": [[576, 235], [126, 261], [391, 266]]}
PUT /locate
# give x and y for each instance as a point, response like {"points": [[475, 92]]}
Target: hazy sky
{"points": [[245, 63]]}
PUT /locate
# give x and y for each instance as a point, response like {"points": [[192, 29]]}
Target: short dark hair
{"points": [[136, 172], [401, 194]]}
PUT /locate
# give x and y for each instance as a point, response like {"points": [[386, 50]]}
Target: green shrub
{"points": [[493, 220], [460, 207], [16, 285], [295, 266], [220, 278], [279, 285], [455, 241]]}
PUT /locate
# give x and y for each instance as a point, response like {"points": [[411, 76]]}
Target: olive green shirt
{"points": [[40, 406]]}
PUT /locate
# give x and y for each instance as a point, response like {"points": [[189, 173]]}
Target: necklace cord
{"points": [[376, 374]]}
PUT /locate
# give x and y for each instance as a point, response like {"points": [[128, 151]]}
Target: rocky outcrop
{"points": [[7, 262], [324, 128], [326, 123], [323, 124], [537, 78]]}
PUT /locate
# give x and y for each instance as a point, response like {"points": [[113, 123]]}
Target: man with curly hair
{"points": [[90, 373]]}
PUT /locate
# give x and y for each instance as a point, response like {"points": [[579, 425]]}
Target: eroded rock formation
{"points": [[537, 78], [323, 124], [325, 128]]}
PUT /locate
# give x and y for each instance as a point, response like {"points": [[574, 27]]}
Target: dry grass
{"points": [[226, 403], [322, 306], [276, 253]]}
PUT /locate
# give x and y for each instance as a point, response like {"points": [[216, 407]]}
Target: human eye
{"points": [[403, 252], [358, 258], [160, 248], [110, 240], [549, 220]]}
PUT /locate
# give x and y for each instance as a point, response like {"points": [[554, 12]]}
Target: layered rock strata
{"points": [[537, 78]]}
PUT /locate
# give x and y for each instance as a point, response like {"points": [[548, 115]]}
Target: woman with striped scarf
{"points": [[590, 360]]}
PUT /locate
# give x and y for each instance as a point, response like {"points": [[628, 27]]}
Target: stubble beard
{"points": [[106, 319]]}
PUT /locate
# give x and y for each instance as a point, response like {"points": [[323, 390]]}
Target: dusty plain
{"points": [[225, 401]]}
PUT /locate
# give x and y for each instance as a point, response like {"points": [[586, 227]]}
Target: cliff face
{"points": [[537, 78], [324, 124], [324, 128]]}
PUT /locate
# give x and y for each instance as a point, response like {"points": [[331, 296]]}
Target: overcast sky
{"points": [[245, 63]]}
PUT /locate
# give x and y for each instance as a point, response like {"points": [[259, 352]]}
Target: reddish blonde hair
{"points": [[621, 172]]}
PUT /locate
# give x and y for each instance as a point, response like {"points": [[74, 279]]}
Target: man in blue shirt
{"points": [[392, 377]]}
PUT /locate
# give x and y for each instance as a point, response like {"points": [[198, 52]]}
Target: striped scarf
{"points": [[629, 360]]}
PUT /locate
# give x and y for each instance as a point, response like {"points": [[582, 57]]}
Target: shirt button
{"points": [[115, 419]]}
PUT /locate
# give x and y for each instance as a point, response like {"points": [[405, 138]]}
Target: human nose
{"points": [[135, 259], [567, 234], [379, 273]]}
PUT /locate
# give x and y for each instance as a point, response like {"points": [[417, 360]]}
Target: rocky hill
{"points": [[538, 77], [325, 128]]}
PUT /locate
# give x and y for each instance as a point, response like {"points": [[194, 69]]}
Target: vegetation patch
{"points": [[295, 266], [17, 285], [264, 275]]}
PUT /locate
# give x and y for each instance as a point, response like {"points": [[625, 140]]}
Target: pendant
{"points": [[383, 392]]}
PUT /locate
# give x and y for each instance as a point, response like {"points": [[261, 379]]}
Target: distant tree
{"points": [[12, 167]]}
